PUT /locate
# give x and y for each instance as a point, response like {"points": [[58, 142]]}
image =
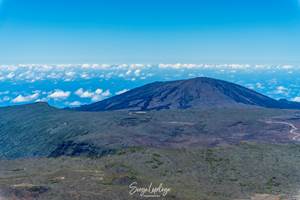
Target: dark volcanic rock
{"points": [[26, 191], [70, 148], [183, 94]]}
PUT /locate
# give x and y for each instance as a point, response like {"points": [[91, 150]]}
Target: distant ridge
{"points": [[199, 92]]}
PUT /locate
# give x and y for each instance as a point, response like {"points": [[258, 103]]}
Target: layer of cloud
{"points": [[67, 72], [23, 80]]}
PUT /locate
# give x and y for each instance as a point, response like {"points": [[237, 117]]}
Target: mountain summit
{"points": [[199, 92]]}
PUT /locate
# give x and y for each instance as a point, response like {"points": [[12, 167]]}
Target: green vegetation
{"points": [[40, 130], [204, 154], [217, 173]]}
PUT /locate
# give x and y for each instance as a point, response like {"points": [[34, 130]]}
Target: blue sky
{"points": [[58, 36], [149, 31]]}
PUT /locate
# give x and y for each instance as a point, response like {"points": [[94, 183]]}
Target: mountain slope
{"points": [[40, 130], [182, 94]]}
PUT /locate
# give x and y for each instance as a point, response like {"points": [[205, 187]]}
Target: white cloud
{"points": [[41, 100], [281, 90], [122, 91], [4, 99], [59, 95], [250, 86], [85, 76], [259, 85], [96, 98], [23, 99], [128, 72], [70, 73], [106, 93], [86, 66], [287, 66], [75, 103], [10, 75], [84, 94], [96, 95], [296, 99], [137, 72], [99, 91]]}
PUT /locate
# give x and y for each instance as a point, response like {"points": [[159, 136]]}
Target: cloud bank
{"points": [[76, 84]]}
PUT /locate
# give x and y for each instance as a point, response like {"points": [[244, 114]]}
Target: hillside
{"points": [[221, 173], [41, 130]]}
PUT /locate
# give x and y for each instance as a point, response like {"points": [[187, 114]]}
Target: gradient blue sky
{"points": [[149, 31]]}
